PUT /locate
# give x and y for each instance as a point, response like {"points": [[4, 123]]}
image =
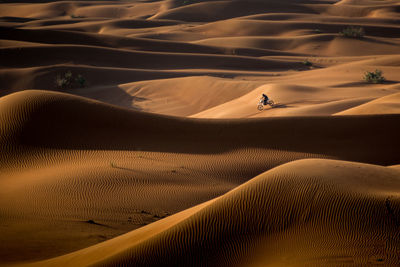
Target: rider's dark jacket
{"points": [[265, 98]]}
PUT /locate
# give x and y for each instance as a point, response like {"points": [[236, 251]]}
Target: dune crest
{"points": [[384, 105], [130, 133], [295, 199]]}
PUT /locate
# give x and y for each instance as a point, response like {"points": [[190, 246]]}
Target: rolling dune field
{"points": [[130, 134]]}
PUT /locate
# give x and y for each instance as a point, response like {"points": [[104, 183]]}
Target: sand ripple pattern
{"points": [[308, 212], [159, 157]]}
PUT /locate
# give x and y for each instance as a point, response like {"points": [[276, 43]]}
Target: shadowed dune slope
{"points": [[61, 121], [213, 10], [113, 41], [107, 57], [308, 212]]}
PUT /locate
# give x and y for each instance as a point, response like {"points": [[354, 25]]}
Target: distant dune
{"points": [[117, 46], [130, 134]]}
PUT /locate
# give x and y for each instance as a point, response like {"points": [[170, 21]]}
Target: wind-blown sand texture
{"points": [[161, 158]]}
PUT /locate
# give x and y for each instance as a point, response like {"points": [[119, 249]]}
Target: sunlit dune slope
{"points": [[159, 44], [308, 212], [384, 105]]}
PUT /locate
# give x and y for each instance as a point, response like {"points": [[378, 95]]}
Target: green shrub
{"points": [[64, 81], [67, 80], [353, 32], [73, 16], [68, 75], [374, 77], [81, 80], [307, 63], [60, 82]]}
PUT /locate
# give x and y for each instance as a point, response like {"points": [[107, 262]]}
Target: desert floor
{"points": [[130, 134]]}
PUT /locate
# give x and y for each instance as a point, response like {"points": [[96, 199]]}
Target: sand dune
{"points": [[130, 135], [295, 199], [84, 161], [188, 95], [384, 105], [211, 10], [55, 120], [291, 100], [114, 43], [107, 57], [91, 39]]}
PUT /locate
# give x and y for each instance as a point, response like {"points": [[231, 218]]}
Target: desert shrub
{"points": [[73, 16], [374, 77], [81, 80], [307, 63], [68, 75], [60, 81], [64, 81], [353, 32], [67, 80]]}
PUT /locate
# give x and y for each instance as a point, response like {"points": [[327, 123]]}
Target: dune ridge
{"points": [[75, 153], [51, 120], [153, 152], [384, 105], [115, 43], [295, 199]]}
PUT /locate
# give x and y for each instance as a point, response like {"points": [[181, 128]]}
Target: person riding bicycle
{"points": [[265, 99]]}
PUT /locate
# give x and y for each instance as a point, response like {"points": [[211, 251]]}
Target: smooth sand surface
{"points": [[159, 157]]}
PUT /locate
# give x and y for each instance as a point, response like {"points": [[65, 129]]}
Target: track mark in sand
{"points": [[391, 212], [96, 223], [113, 165]]}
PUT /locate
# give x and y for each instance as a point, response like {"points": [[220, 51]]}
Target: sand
{"points": [[154, 152]]}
